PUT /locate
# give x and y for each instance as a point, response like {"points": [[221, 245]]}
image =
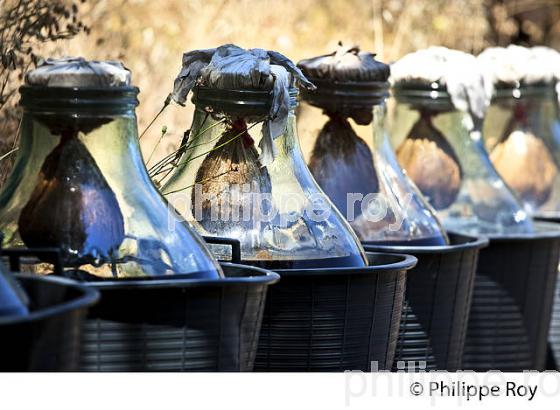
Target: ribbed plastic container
{"points": [[438, 296], [554, 333], [334, 319], [553, 359], [512, 302], [48, 339], [177, 324]]}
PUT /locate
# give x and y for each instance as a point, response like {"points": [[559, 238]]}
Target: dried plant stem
{"points": [[14, 143], [197, 182], [165, 105], [16, 139], [218, 146], [163, 132], [163, 168], [7, 154], [168, 159], [235, 137]]}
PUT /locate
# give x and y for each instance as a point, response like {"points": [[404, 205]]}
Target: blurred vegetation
{"points": [[150, 36], [25, 27]]}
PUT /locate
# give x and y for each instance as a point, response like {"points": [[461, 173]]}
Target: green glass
{"points": [[222, 164], [79, 184], [443, 152], [522, 134], [389, 209]]}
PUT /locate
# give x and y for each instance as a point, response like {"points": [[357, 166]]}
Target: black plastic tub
{"points": [[48, 339], [553, 360], [168, 324], [334, 319], [512, 302], [437, 302], [554, 333], [177, 324]]}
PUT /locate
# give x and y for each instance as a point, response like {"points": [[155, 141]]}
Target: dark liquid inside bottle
{"points": [[341, 162], [432, 241], [349, 261], [520, 155], [72, 206]]}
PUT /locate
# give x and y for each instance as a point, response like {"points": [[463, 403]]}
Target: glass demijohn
{"points": [[79, 183], [522, 126], [441, 98], [227, 186], [363, 180]]}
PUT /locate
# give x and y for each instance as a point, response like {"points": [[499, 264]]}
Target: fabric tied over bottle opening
{"points": [[230, 67], [70, 72], [347, 63], [515, 65], [468, 86]]}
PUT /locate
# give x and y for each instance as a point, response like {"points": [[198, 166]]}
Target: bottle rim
{"points": [[416, 91], [433, 96], [522, 90], [82, 100], [341, 95], [236, 101]]}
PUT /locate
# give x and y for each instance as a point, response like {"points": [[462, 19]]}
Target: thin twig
{"points": [[187, 145], [165, 104], [156, 168], [163, 132], [218, 146], [213, 149], [7, 154], [198, 182]]}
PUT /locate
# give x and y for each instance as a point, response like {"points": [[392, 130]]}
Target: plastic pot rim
{"points": [[548, 230], [266, 277], [473, 242], [543, 217], [89, 297], [406, 263]]}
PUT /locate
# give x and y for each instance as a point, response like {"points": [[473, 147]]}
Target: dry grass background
{"points": [[150, 36]]}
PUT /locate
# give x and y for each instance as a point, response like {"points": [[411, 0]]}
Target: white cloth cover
{"points": [[515, 64], [232, 67], [468, 86]]}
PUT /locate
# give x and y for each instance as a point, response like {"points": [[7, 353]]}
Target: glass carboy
{"points": [[522, 125], [441, 99], [79, 183], [242, 174], [364, 180]]}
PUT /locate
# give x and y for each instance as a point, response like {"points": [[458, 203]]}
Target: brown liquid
{"points": [[233, 166], [431, 163], [519, 159]]}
